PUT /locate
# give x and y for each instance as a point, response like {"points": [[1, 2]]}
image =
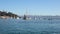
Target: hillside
{"points": [[8, 14]]}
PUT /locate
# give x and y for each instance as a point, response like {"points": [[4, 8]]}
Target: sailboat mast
{"points": [[25, 15]]}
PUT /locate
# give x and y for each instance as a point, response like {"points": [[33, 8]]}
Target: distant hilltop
{"points": [[4, 14]]}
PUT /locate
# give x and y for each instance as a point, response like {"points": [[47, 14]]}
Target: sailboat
{"points": [[26, 16]]}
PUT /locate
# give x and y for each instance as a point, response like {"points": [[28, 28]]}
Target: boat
{"points": [[24, 17]]}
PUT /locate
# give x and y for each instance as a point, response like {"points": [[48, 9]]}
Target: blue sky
{"points": [[33, 7]]}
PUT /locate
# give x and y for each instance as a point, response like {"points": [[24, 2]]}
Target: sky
{"points": [[31, 7]]}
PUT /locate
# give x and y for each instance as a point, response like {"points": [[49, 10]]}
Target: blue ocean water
{"points": [[18, 26]]}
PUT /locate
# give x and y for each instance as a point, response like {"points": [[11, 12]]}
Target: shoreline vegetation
{"points": [[6, 15]]}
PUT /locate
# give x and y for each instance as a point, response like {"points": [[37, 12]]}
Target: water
{"points": [[14, 26]]}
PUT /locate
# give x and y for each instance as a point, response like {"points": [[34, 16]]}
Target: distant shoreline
{"points": [[4, 14]]}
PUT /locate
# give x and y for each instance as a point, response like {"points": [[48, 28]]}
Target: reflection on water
{"points": [[14, 26]]}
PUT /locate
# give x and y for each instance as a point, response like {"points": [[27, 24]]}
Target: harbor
{"points": [[5, 15], [29, 16]]}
